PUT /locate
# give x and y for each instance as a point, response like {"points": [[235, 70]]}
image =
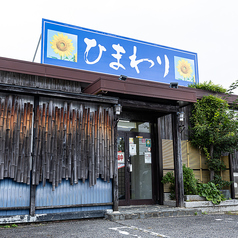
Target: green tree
{"points": [[214, 130]]}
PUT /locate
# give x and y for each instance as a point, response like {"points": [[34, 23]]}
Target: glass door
{"points": [[140, 167], [134, 164]]}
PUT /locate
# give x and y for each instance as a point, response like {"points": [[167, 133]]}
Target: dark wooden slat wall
{"points": [[166, 124], [73, 144], [15, 139], [69, 143], [234, 161], [39, 82]]}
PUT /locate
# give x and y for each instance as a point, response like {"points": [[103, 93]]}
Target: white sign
{"points": [[147, 158], [132, 149]]}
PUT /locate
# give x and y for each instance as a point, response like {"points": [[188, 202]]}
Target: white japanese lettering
{"points": [[135, 62], [119, 49], [90, 44], [166, 70]]}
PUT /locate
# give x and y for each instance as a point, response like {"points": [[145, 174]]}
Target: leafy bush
{"points": [[210, 192], [220, 183], [189, 182], [169, 178], [192, 187], [209, 86]]}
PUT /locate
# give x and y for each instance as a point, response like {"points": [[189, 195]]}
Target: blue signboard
{"points": [[76, 47]]}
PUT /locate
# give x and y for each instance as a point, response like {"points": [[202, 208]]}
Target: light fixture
{"points": [[181, 119], [181, 116], [123, 77], [173, 85], [117, 109]]}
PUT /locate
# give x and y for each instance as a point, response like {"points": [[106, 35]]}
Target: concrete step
{"points": [[152, 211]]}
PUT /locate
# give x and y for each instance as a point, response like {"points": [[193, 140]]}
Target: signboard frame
{"points": [[85, 49]]}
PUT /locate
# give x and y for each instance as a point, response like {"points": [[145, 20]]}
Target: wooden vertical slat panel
{"points": [[108, 147], [67, 144], [28, 144], [85, 145], [102, 155], [18, 125], [82, 144], [36, 144], [29, 147], [24, 122], [47, 142], [77, 149], [25, 143], [53, 149], [37, 151], [1, 138], [90, 149], [105, 144], [69, 141], [12, 142], [60, 143], [58, 149], [15, 139], [71, 145], [14, 132], [21, 152], [7, 135], [4, 136], [74, 145], [57, 144], [99, 158], [78, 144], [88, 144], [24, 169], [64, 140], [96, 155], [44, 141], [93, 148], [115, 169], [111, 133]]}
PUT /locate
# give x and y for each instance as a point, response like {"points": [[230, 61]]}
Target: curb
{"points": [[115, 216]]}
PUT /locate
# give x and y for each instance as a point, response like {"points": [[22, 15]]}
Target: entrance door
{"points": [[134, 163]]}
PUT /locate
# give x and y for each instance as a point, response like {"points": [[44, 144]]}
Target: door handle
{"points": [[128, 168]]}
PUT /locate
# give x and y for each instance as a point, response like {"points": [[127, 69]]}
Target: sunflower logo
{"points": [[62, 45], [184, 68]]}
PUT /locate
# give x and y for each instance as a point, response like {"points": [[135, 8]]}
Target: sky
{"points": [[206, 27]]}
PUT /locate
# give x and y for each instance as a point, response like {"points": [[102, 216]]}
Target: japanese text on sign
{"points": [[80, 48]]}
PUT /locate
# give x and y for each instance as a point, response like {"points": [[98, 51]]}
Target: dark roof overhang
{"points": [[98, 83], [141, 88]]}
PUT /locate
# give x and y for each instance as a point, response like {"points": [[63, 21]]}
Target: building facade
{"points": [[76, 143]]}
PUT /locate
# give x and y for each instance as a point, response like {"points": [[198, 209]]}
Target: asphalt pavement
{"points": [[219, 225]]}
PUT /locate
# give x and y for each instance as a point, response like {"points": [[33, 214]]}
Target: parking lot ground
{"points": [[219, 225]]}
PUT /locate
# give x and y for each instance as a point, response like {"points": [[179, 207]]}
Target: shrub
{"points": [[210, 192], [189, 182], [209, 86]]}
